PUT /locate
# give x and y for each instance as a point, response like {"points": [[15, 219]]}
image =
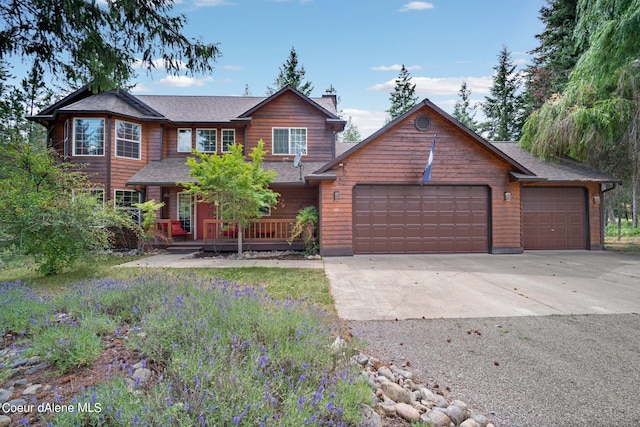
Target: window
{"points": [[289, 141], [184, 140], [128, 137], [206, 140], [124, 199], [185, 201], [265, 211], [65, 146], [228, 139], [88, 137]]}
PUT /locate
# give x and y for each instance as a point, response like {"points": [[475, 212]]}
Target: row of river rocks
{"points": [[397, 395]]}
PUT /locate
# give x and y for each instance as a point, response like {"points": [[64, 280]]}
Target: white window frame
{"points": [[222, 146], [292, 149], [133, 211], [119, 140], [75, 120], [181, 195], [215, 140], [179, 131]]}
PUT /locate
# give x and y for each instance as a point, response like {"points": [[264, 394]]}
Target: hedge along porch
{"points": [[372, 201]]}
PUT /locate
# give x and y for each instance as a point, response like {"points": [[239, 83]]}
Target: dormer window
{"points": [[289, 141]]}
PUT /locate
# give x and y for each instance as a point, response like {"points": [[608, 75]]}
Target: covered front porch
{"points": [[222, 235]]}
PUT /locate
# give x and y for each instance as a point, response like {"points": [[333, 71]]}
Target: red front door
{"points": [[205, 211]]}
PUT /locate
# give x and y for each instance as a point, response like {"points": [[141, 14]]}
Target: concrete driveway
{"points": [[387, 287]]}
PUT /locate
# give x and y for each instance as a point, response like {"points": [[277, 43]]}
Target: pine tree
{"points": [[503, 108], [403, 97], [556, 55], [463, 111], [291, 74]]}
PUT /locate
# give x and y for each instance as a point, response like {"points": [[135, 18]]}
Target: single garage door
{"points": [[554, 218], [400, 219]]}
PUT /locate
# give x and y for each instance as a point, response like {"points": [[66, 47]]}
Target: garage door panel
{"points": [[554, 218], [415, 219]]}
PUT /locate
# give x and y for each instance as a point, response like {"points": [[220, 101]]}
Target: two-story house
{"points": [[482, 197]]}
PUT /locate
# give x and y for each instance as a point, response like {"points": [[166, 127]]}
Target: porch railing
{"points": [[265, 229]]}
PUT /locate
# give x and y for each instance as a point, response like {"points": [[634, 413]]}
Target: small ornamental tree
{"points": [[241, 188]]}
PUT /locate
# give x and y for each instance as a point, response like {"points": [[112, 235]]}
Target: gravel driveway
{"points": [[576, 370]]}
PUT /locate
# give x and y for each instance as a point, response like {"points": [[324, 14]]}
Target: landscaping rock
{"points": [[437, 418], [456, 414], [386, 372], [36, 368], [142, 374], [480, 419], [5, 421], [4, 395], [396, 393], [32, 389], [369, 417], [407, 412], [469, 422]]}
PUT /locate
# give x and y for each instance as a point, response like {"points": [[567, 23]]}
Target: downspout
{"points": [[108, 155], [603, 225]]}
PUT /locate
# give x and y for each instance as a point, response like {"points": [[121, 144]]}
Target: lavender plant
{"points": [[231, 354]]}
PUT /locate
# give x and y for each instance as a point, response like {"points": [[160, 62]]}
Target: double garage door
{"points": [[554, 218], [398, 219]]}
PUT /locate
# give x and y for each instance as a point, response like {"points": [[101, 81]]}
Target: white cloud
{"points": [[416, 5], [367, 121], [233, 67], [395, 67], [430, 86], [184, 81], [141, 88]]}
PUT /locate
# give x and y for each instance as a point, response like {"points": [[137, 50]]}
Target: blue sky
{"points": [[357, 46]]}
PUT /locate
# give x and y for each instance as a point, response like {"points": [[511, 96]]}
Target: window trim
{"points": [[222, 131], [215, 145], [290, 152], [73, 134], [131, 209], [178, 140], [115, 153]]}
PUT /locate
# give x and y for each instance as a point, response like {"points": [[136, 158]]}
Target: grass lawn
{"points": [[232, 346], [629, 241]]}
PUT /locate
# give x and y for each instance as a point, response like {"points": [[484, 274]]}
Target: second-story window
{"points": [[128, 140], [88, 137], [289, 141], [206, 140], [184, 140], [228, 139]]}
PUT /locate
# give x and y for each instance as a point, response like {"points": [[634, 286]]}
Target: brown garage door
{"points": [[554, 218], [398, 219]]}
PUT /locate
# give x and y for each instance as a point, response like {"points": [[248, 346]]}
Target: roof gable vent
{"points": [[422, 123]]}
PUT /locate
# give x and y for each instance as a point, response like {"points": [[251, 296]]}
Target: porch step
{"points": [[184, 248]]}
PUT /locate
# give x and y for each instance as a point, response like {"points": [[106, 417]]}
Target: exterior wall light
{"points": [[596, 198], [336, 195], [507, 196]]}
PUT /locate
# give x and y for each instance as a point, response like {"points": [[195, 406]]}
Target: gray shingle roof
{"points": [[169, 171], [122, 104], [562, 170]]}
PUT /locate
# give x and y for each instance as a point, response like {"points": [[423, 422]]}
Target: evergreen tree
{"points": [[463, 111], [98, 42], [503, 108], [350, 133], [556, 55], [403, 97], [291, 74]]}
